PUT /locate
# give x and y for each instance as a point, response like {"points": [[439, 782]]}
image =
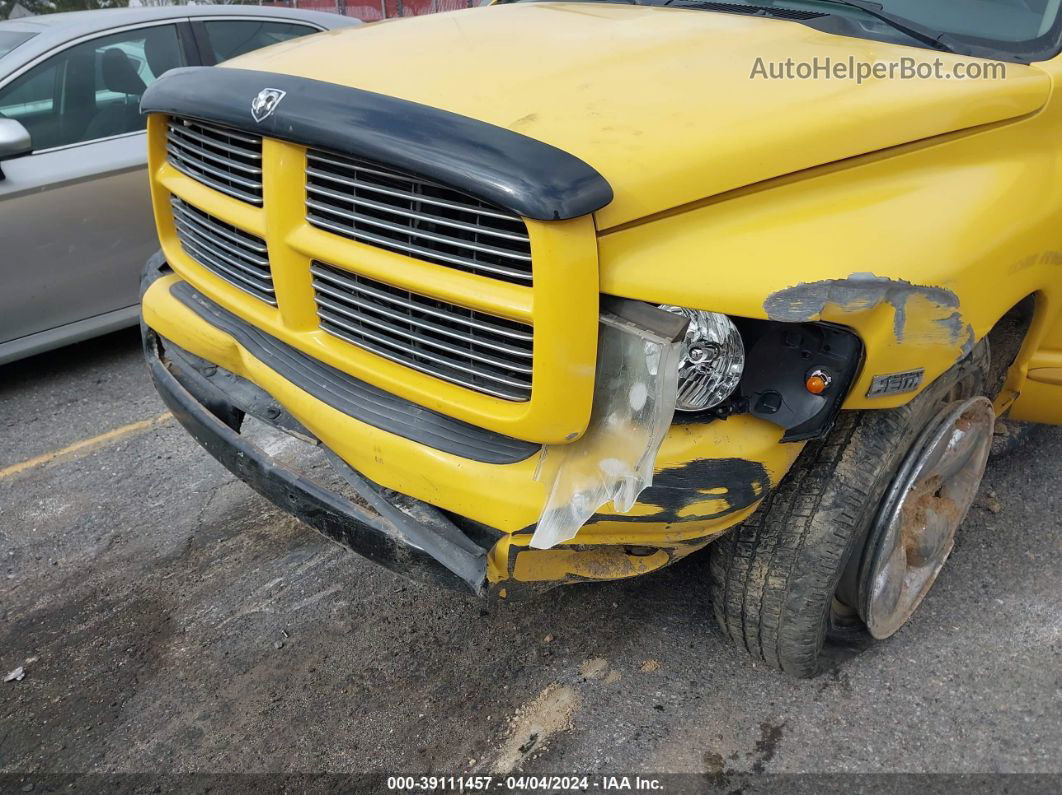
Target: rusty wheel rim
{"points": [[915, 529]]}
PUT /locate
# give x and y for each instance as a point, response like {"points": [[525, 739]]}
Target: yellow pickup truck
{"points": [[567, 291]]}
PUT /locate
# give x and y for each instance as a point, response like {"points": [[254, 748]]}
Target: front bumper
{"points": [[387, 537], [710, 476]]}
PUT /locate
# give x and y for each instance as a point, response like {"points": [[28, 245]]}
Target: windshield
{"points": [[1009, 29], [1001, 21], [10, 39]]}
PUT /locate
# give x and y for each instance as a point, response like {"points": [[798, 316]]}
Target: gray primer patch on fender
{"points": [[958, 330], [953, 324], [859, 292], [968, 345]]}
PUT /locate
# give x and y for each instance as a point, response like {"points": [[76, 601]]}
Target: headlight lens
{"points": [[712, 362]]}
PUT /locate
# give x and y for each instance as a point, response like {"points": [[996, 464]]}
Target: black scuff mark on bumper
{"points": [[736, 483]]}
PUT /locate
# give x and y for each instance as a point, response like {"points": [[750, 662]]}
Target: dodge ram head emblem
{"points": [[265, 103]]}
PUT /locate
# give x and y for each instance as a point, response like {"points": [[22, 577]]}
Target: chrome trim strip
{"points": [[187, 127], [224, 273]]}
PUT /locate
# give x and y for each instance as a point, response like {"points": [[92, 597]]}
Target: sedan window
{"points": [[230, 37], [10, 39], [91, 90]]}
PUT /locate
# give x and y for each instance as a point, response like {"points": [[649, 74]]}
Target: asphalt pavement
{"points": [[167, 619]]}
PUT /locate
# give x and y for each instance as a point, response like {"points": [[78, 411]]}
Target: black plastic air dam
{"points": [[510, 170]]}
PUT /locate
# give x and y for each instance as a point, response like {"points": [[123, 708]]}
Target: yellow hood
{"points": [[661, 101]]}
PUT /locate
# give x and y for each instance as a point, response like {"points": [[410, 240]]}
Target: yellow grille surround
{"points": [[561, 305]]}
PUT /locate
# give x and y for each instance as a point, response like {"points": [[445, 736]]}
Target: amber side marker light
{"points": [[818, 381]]}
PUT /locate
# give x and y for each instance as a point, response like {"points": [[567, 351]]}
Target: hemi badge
{"points": [[896, 383]]}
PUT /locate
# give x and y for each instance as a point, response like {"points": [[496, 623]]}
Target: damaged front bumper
{"points": [[436, 501], [385, 530]]}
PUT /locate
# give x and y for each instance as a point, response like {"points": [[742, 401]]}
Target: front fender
{"points": [[920, 249]]}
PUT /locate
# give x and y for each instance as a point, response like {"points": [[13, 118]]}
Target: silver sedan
{"points": [[75, 214]]}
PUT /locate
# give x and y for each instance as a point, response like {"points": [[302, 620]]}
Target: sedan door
{"points": [[75, 215]]}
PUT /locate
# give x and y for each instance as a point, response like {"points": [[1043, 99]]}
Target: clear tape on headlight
{"points": [[634, 403]]}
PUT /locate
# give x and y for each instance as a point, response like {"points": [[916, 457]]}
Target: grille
{"points": [[223, 159], [475, 350], [352, 396], [408, 215], [239, 258]]}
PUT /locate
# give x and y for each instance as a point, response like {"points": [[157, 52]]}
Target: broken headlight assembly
{"points": [[794, 375]]}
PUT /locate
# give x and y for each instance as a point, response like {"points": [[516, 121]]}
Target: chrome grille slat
{"points": [[233, 277], [456, 230], [365, 168], [252, 249], [459, 345], [198, 151], [423, 340], [188, 132], [322, 157], [203, 240], [376, 295], [432, 237], [414, 365], [195, 174], [206, 251], [225, 160], [217, 173], [435, 219], [420, 253], [351, 395], [428, 326], [229, 253], [359, 335], [239, 238], [400, 194], [226, 132]]}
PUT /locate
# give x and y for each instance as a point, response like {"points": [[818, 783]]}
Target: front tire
{"points": [[775, 579]]}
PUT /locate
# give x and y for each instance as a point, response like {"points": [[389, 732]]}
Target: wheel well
{"points": [[1005, 342]]}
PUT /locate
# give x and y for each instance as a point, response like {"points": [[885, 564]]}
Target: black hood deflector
{"points": [[505, 168]]}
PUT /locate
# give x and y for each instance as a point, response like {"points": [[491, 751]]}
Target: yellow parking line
{"points": [[84, 444]]}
